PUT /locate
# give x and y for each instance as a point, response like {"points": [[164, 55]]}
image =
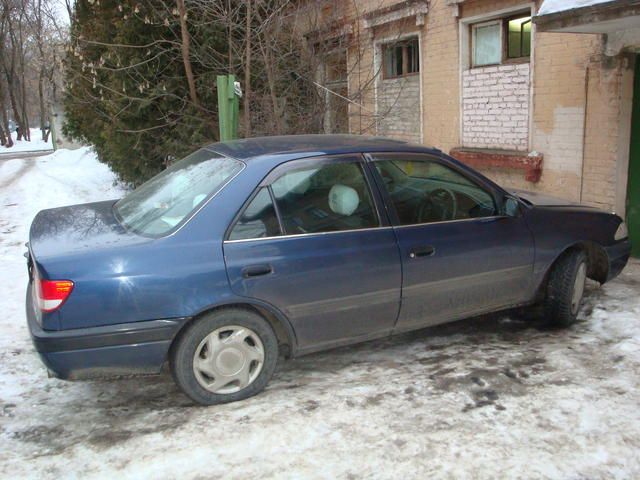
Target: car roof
{"points": [[287, 147]]}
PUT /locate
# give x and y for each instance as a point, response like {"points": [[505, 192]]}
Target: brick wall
{"points": [[604, 104], [441, 77], [576, 116], [495, 107], [399, 108]]}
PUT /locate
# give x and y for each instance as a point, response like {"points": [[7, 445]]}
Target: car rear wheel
{"points": [[565, 289], [224, 356]]}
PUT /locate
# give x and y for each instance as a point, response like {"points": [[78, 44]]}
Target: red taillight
{"points": [[52, 293]]}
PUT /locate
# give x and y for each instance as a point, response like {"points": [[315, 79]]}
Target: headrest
{"points": [[343, 200], [293, 182]]}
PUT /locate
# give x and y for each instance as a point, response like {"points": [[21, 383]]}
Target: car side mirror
{"points": [[511, 207]]}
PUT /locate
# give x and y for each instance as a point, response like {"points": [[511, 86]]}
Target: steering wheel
{"points": [[439, 205], [388, 180]]}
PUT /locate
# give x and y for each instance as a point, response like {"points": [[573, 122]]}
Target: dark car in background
{"points": [[253, 249]]}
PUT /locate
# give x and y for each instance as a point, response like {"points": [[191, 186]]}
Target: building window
{"points": [[336, 117], [401, 58], [501, 41], [336, 66], [519, 37], [487, 44]]}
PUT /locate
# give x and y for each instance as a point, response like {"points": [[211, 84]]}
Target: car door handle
{"points": [[256, 270], [426, 251]]}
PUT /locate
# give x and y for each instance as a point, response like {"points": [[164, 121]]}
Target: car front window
{"points": [[159, 205], [425, 191]]}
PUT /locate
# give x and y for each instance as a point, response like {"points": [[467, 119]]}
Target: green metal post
{"points": [[228, 107], [223, 114]]}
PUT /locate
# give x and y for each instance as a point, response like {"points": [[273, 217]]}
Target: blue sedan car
{"points": [[249, 250]]}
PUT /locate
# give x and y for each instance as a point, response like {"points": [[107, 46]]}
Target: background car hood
{"points": [[69, 230]]}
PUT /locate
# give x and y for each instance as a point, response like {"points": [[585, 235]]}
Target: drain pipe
{"points": [[584, 128]]}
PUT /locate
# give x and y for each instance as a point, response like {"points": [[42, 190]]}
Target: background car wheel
{"points": [[565, 289], [224, 356]]}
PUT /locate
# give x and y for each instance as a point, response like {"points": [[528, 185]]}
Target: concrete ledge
{"points": [[605, 17], [530, 164]]}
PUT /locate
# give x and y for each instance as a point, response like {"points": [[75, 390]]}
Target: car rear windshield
{"points": [[159, 205]]}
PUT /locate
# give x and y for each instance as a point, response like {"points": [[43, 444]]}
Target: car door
{"points": [[311, 242], [460, 256]]}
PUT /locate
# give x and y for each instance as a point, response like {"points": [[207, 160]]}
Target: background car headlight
{"points": [[622, 232]]}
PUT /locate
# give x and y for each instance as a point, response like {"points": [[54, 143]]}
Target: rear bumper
{"points": [[122, 349], [618, 254]]}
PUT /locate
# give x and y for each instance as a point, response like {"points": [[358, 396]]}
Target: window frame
{"points": [[301, 164], [495, 193], [393, 44], [503, 21], [505, 46], [245, 206], [336, 89], [474, 29]]}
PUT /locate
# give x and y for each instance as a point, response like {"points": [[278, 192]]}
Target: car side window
{"points": [[426, 191], [324, 198], [258, 220]]}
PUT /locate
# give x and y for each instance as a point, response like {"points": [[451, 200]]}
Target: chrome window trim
{"points": [[388, 227], [303, 235], [478, 219]]}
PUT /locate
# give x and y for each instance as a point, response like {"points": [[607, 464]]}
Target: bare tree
{"points": [[30, 44], [185, 49], [247, 69], [284, 52]]}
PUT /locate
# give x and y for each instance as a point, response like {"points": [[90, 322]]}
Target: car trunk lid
{"points": [[70, 230]]}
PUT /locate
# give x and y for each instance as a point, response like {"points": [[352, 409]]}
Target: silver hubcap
{"points": [[578, 287], [228, 359]]}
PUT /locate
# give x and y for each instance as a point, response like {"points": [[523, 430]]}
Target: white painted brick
{"points": [[495, 102]]}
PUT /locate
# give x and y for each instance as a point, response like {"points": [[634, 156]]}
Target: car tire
{"points": [[229, 344], [565, 289]]}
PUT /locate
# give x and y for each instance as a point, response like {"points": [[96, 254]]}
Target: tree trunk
{"points": [[247, 74], [23, 81], [16, 112], [229, 38], [272, 87], [4, 117], [185, 47], [10, 74], [43, 113], [42, 70]]}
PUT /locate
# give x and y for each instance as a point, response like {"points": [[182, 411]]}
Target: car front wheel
{"points": [[224, 356], [565, 289]]}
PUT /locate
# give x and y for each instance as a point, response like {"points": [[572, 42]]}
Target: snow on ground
{"points": [[490, 397], [35, 145], [554, 6]]}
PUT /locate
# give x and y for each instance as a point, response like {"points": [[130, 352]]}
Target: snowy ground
{"points": [[35, 145], [492, 397]]}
